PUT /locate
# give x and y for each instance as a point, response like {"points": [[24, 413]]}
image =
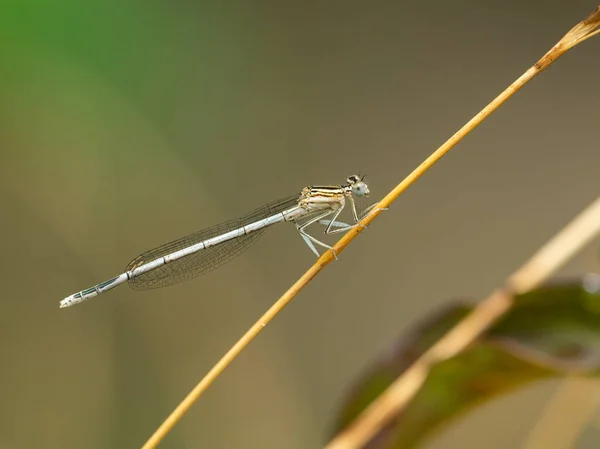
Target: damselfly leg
{"points": [[309, 238], [330, 224], [345, 226]]}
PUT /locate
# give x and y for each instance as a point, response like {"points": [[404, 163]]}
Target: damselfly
{"points": [[203, 251]]}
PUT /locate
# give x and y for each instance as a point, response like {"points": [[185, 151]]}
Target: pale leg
{"points": [[305, 235]]}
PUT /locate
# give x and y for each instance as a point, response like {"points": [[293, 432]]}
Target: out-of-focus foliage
{"points": [[551, 331]]}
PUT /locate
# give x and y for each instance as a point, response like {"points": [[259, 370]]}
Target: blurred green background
{"points": [[126, 124]]}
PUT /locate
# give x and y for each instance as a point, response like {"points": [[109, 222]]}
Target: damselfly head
{"points": [[359, 187]]}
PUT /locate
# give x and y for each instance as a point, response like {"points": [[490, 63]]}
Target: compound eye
{"points": [[353, 179]]}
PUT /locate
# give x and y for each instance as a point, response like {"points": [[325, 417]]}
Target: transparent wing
{"points": [[205, 260]]}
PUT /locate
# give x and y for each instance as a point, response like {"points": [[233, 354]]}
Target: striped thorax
{"points": [[323, 197]]}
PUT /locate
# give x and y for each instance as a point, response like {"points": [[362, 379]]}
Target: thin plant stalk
{"points": [[556, 429], [579, 33]]}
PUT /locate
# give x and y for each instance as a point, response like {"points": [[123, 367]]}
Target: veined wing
{"points": [[205, 260]]}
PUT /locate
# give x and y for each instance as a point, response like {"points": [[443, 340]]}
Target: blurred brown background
{"points": [[126, 124]]}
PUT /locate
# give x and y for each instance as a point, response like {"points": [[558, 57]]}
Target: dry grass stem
{"points": [[569, 412], [579, 33]]}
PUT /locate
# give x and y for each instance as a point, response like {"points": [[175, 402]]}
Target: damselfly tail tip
{"points": [[66, 303]]}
